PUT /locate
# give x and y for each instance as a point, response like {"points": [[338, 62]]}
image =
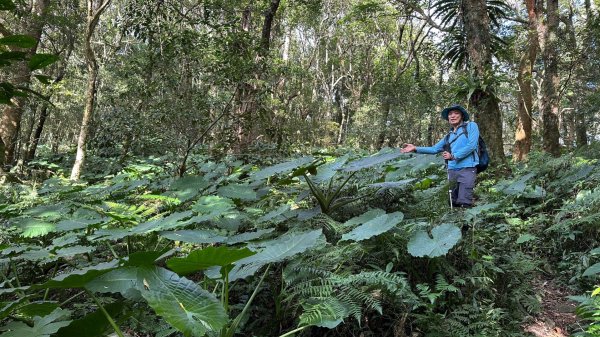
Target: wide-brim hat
{"points": [[458, 108]]}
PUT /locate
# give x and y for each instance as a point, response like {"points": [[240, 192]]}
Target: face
{"points": [[454, 117]]}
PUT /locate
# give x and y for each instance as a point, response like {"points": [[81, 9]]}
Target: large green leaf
{"points": [[42, 326], [6, 57], [525, 238], [187, 188], [32, 227], [194, 236], [51, 212], [79, 277], [6, 308], [203, 258], [73, 224], [7, 91], [93, 324], [592, 270], [238, 191], [280, 168], [248, 236], [414, 163], [277, 215], [200, 236], [184, 305], [381, 157], [65, 240], [110, 234], [285, 246], [445, 236], [39, 61], [74, 250], [473, 213], [145, 258], [393, 184], [379, 225], [518, 186], [40, 309], [365, 217], [7, 5], [44, 79], [123, 280], [328, 171], [169, 222], [213, 205], [20, 41], [37, 254]]}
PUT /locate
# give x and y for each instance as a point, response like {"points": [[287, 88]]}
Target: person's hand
{"points": [[408, 148], [447, 155]]}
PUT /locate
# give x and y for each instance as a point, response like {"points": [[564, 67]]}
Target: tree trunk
{"points": [[386, 106], [483, 99], [550, 133], [10, 121], [581, 138], [92, 21], [524, 96], [247, 104], [27, 139], [37, 135], [30, 154]]}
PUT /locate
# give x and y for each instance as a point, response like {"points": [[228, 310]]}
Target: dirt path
{"points": [[557, 318]]}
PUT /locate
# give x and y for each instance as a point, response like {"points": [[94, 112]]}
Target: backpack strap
{"points": [[465, 132]]}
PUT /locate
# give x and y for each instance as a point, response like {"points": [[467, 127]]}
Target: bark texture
{"points": [[550, 99], [93, 16], [483, 99], [10, 122], [524, 79]]}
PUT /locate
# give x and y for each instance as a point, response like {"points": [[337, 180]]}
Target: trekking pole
{"points": [[449, 186]]}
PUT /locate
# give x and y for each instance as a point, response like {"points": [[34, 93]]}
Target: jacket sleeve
{"points": [[437, 148], [472, 142]]}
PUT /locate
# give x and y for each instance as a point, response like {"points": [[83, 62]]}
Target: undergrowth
{"points": [[321, 245]]}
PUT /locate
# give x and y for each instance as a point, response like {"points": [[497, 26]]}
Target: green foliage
{"points": [[589, 310], [181, 302], [207, 257], [93, 324], [8, 56], [445, 236], [374, 226], [132, 236], [42, 326]]}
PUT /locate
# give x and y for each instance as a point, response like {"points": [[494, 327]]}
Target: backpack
{"points": [[484, 157]]}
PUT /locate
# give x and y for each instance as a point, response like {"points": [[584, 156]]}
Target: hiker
{"points": [[459, 149]]}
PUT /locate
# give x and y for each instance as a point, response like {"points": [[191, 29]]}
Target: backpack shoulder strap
{"points": [[466, 131]]}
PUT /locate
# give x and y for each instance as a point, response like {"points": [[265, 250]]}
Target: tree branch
{"points": [[424, 16], [4, 31]]}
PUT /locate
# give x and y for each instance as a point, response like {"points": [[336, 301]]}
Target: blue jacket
{"points": [[462, 147]]}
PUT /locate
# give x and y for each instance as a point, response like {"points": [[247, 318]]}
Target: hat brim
{"points": [[462, 110]]}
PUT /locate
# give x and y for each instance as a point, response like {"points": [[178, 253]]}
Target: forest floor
{"points": [[557, 317]]}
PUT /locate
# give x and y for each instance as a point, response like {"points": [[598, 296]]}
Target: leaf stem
{"points": [[65, 302], [231, 330], [112, 250], [53, 274], [289, 333], [108, 318]]}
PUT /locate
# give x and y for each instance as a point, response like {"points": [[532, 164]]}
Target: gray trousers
{"points": [[463, 181]]}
